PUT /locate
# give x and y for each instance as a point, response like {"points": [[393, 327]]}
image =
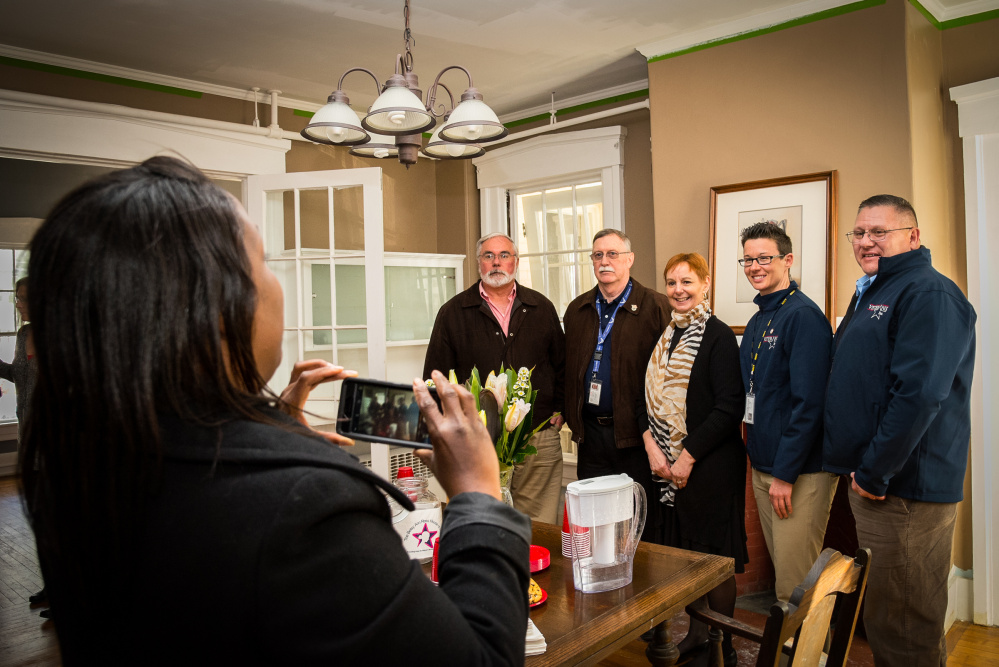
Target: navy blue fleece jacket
{"points": [[789, 384], [898, 400]]}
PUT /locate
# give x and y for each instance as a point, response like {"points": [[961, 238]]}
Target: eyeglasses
{"points": [[762, 260], [490, 256], [610, 254], [873, 234], [21, 299]]}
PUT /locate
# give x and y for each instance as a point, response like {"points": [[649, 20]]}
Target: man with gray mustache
{"points": [[611, 331]]}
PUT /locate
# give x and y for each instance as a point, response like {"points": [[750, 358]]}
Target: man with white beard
{"points": [[498, 321]]}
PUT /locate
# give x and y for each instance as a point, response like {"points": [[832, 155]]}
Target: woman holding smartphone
{"points": [[185, 514]]}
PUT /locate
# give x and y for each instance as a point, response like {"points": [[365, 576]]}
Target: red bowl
{"points": [[540, 558]]}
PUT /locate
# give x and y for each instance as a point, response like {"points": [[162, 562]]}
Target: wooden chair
{"points": [[799, 627]]}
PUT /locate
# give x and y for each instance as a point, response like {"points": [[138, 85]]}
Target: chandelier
{"points": [[397, 118]]}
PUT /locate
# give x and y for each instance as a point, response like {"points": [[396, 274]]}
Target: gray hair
{"points": [[478, 246], [616, 232]]}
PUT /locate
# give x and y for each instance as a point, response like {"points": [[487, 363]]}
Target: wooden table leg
{"points": [[661, 651]]}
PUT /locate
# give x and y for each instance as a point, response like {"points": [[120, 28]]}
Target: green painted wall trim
{"points": [[93, 76], [580, 107], [304, 114], [954, 23], [811, 18]]}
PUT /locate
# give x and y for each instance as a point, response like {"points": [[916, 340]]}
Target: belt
{"points": [[605, 421]]}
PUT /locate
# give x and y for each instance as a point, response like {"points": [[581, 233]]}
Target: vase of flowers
{"points": [[513, 423]]}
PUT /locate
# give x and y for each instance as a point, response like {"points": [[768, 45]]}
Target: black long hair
{"points": [[142, 305]]}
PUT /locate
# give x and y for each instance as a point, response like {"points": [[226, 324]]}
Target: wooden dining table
{"points": [[584, 628]]}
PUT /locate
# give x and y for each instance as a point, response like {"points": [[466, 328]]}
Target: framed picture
{"points": [[805, 207]]}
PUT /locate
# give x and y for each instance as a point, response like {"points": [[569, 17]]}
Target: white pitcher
{"points": [[612, 509]]}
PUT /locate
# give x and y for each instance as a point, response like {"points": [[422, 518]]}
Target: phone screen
{"points": [[376, 411]]}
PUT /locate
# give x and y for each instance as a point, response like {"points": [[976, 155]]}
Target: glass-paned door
{"points": [[323, 239], [13, 266], [554, 228]]}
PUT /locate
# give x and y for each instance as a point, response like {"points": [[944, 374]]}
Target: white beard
{"points": [[499, 280]]}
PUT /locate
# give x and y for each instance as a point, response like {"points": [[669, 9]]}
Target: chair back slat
{"points": [[808, 614]]}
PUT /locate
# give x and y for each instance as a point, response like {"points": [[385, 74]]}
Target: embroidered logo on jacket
{"points": [[771, 340], [877, 310]]}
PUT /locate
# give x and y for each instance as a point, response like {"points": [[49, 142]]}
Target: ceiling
{"points": [[518, 51]]}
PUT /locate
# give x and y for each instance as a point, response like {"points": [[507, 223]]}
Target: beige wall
{"points": [[829, 95], [458, 227]]}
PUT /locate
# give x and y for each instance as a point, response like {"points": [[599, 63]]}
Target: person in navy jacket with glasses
{"points": [[785, 364], [898, 422]]}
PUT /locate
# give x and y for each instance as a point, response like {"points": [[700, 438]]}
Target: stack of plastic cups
{"points": [[581, 538]]}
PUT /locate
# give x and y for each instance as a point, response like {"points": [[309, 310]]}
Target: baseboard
{"points": [[8, 464], [960, 597]]}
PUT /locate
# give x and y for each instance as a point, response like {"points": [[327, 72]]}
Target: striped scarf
{"points": [[666, 382]]}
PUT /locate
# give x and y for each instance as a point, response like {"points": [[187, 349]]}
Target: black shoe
{"points": [[45, 613], [39, 597]]}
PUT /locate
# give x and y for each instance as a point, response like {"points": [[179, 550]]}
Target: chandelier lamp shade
{"points": [[396, 119], [450, 150], [380, 146]]}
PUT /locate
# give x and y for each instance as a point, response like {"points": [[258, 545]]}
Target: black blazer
{"points": [[282, 552]]}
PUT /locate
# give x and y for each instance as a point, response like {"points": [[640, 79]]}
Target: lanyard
{"points": [[756, 354], [603, 332]]}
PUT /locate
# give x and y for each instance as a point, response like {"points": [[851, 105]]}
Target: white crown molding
{"points": [[738, 27], [943, 13], [41, 127], [149, 77], [622, 89]]}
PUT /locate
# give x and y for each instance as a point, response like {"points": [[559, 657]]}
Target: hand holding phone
{"points": [[463, 458], [306, 376]]}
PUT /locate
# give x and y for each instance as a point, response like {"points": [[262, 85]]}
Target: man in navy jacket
{"points": [[785, 363], [897, 420]]}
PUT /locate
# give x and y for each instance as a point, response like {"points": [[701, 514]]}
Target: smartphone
{"points": [[376, 411]]}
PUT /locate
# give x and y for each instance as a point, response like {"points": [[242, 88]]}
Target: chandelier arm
{"points": [[432, 101], [378, 86], [432, 93]]}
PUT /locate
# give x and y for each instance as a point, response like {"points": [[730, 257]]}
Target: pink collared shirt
{"points": [[502, 315]]}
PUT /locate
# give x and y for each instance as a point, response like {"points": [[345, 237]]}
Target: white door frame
{"points": [[978, 113]]}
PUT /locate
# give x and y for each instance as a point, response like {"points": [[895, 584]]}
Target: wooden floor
{"points": [[27, 639]]}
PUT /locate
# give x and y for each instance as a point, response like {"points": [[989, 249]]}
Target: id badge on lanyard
{"points": [[598, 354]]}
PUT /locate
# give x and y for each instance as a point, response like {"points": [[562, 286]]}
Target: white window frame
{"points": [[551, 159]]}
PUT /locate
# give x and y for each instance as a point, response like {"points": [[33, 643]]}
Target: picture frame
{"points": [[805, 206]]}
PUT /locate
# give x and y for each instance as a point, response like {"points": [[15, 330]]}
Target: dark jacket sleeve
{"points": [[556, 356], [340, 589], [810, 338], [440, 351], [725, 379], [934, 335]]}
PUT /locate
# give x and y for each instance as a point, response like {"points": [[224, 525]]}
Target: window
{"points": [[551, 194], [13, 265], [553, 228]]}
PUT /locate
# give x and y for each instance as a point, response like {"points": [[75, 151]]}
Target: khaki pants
{"points": [[537, 482], [794, 543], [906, 601]]}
